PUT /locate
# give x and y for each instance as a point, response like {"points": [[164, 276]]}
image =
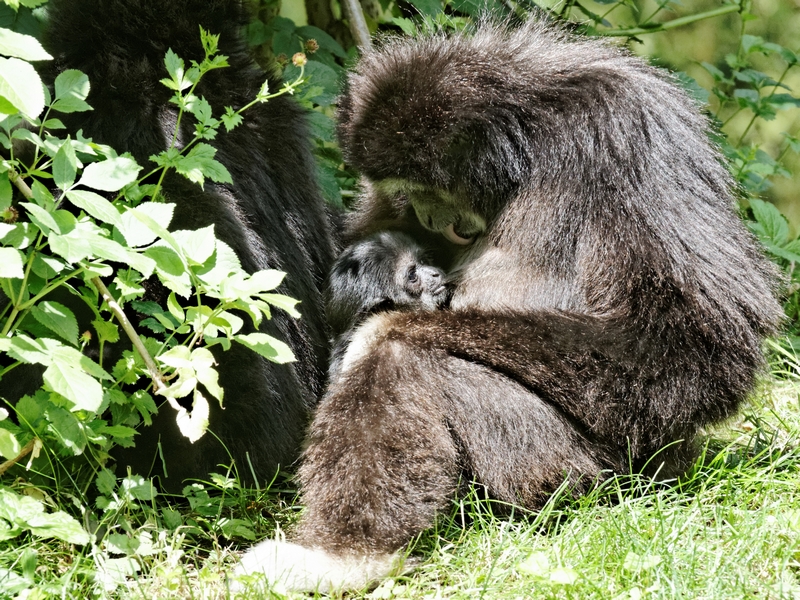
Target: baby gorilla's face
{"points": [[420, 286], [386, 271]]}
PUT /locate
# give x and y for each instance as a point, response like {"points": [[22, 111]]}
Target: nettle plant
{"points": [[91, 226], [743, 88]]}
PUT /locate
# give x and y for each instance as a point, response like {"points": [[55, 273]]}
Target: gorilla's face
{"points": [[449, 214]]}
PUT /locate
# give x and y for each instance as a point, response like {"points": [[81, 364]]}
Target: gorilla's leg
{"points": [[380, 463], [387, 448], [520, 448], [382, 460]]}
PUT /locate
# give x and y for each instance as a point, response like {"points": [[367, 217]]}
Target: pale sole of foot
{"points": [[289, 567]]}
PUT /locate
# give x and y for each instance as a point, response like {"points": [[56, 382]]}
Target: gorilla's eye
{"points": [[411, 276], [454, 237]]}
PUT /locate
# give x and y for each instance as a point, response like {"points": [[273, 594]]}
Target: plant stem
{"points": [[767, 97], [50, 287], [18, 182], [152, 368], [680, 22], [358, 25], [27, 449]]}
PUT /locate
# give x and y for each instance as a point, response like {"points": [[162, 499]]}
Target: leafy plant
{"points": [[88, 227]]}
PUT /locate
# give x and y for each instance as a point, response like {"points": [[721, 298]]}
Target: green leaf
{"points": [[175, 308], [83, 391], [67, 222], [203, 362], [25, 513], [283, 302], [201, 109], [146, 223], [265, 280], [321, 125], [230, 322], [231, 119], [537, 563], [73, 247], [53, 124], [20, 88], [31, 409], [72, 88], [784, 101], [789, 56], [635, 563], [46, 266], [67, 429], [427, 7], [563, 576], [106, 331], [106, 482], [22, 235], [110, 175], [197, 246], [175, 68], [233, 528], [128, 284], [199, 163], [223, 262], [30, 351], [145, 404], [407, 25], [321, 75], [775, 228], [42, 196], [96, 206], [747, 98], [11, 263], [110, 250], [9, 445], [6, 193], [167, 260], [194, 425], [183, 385], [65, 166], [22, 46], [267, 346], [57, 318], [42, 218], [784, 253], [118, 431], [179, 357]]}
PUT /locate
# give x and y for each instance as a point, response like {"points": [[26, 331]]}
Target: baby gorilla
{"points": [[386, 271]]}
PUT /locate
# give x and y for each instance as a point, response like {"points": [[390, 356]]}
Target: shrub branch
{"points": [[114, 307]]}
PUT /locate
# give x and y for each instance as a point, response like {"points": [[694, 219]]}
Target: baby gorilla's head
{"points": [[386, 271]]}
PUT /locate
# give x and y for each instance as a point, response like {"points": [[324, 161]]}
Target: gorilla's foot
{"points": [[287, 566]]}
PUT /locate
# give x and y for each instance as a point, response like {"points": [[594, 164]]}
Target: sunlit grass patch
{"points": [[729, 529]]}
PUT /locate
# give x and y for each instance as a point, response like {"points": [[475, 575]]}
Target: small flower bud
{"points": [[10, 215], [299, 60], [311, 46], [282, 59], [86, 337]]}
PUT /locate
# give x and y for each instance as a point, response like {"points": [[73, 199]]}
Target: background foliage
{"points": [[79, 209]]}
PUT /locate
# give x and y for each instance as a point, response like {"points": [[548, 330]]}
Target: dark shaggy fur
{"points": [[386, 271], [272, 215], [612, 304]]}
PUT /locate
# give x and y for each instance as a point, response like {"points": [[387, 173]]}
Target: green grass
{"points": [[731, 529]]}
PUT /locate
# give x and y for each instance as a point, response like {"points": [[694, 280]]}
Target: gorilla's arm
{"points": [[613, 384]]}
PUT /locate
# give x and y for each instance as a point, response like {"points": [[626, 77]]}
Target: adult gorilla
{"points": [[608, 300], [272, 214]]}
